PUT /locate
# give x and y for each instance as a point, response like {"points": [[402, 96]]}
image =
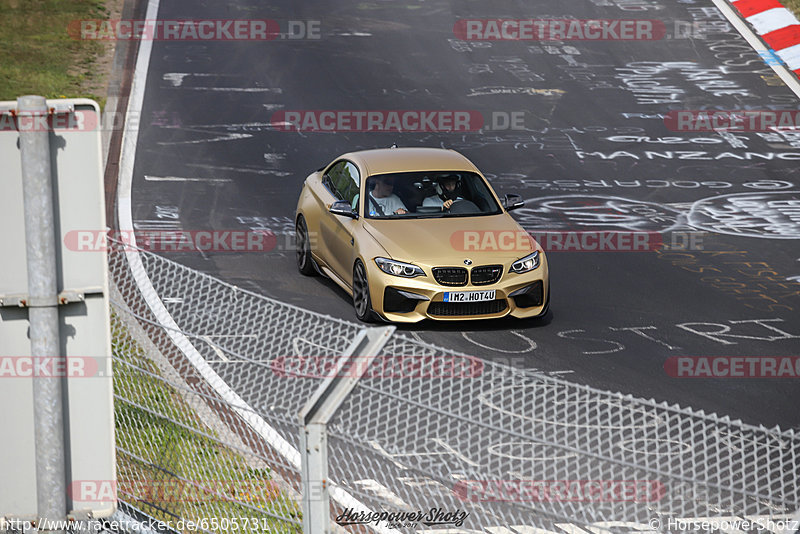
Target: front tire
{"points": [[305, 264], [362, 301]]}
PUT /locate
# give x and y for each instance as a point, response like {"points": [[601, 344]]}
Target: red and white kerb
{"points": [[776, 25]]}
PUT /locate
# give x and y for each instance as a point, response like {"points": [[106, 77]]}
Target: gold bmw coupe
{"points": [[418, 233]]}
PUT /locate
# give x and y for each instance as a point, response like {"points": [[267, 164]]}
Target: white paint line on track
{"points": [[154, 302], [648, 419], [530, 348], [201, 127], [383, 492], [266, 172], [149, 178], [234, 89], [216, 349], [176, 78], [225, 137], [741, 26]]}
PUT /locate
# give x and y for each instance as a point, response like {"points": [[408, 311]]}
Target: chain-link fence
{"points": [[531, 451], [515, 450]]}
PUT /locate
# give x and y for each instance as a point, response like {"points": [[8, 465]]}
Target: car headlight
{"points": [[526, 264], [398, 268]]}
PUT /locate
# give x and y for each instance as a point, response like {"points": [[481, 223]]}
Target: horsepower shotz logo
{"points": [[433, 517]]}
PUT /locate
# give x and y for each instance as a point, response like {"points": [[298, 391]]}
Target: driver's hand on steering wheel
{"points": [[446, 205], [400, 211]]}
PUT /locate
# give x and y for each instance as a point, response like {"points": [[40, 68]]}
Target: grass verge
{"points": [[793, 6], [38, 56], [171, 465]]}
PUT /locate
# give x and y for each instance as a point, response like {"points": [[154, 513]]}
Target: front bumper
{"points": [[410, 300]]}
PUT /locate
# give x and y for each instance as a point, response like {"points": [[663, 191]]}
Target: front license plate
{"points": [[469, 296]]}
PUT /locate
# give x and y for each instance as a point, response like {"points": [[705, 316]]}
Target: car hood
{"points": [[451, 240]]}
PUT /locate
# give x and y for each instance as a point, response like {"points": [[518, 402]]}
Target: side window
{"points": [[344, 180]]}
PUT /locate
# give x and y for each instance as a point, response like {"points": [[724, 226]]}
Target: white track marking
{"points": [[201, 127], [214, 346], [685, 447], [149, 178], [495, 449], [176, 78], [240, 169], [654, 420], [224, 137], [530, 348], [275, 90], [382, 491], [350, 34]]}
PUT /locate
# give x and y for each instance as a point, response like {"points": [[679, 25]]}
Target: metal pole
{"points": [[314, 419], [37, 187]]}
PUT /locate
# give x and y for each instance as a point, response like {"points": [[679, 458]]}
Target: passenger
{"points": [[383, 201]]}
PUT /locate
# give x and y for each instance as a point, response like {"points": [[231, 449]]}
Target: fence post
{"points": [[37, 187], [314, 418]]}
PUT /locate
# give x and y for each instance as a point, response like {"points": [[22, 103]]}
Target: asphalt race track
{"points": [[592, 152]]}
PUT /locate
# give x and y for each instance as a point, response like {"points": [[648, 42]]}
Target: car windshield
{"points": [[415, 195]]}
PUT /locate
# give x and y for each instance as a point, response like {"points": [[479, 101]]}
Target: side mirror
{"points": [[512, 202], [342, 207]]}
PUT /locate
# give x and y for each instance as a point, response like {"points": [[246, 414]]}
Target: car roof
{"points": [[389, 160]]}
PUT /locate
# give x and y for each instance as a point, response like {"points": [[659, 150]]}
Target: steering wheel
{"points": [[462, 206]]}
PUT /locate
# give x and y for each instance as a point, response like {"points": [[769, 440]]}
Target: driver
{"points": [[447, 192], [383, 198]]}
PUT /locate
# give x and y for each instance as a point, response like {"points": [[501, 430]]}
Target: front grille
{"points": [[455, 309], [450, 276], [486, 274]]}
